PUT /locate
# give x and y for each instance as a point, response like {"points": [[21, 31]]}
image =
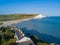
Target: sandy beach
{"points": [[8, 23]]}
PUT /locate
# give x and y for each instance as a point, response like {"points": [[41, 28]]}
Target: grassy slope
{"points": [[6, 36], [16, 16]]}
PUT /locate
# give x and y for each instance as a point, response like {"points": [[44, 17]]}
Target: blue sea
{"points": [[47, 28]]}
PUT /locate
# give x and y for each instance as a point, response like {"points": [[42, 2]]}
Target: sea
{"points": [[46, 28]]}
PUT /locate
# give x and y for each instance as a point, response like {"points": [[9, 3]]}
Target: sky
{"points": [[45, 7]]}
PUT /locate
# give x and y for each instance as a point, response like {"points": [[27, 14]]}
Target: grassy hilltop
{"points": [[16, 16]]}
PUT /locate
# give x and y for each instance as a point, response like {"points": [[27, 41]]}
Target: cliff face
{"points": [[39, 16]]}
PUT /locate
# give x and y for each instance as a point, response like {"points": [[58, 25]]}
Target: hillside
{"points": [[16, 16], [7, 36]]}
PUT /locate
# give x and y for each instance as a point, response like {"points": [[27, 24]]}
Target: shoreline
{"points": [[9, 23]]}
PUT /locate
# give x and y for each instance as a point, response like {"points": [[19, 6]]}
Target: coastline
{"points": [[8, 23]]}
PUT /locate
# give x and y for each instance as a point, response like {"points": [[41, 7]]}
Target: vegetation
{"points": [[16, 16], [38, 41], [7, 36], [1, 23]]}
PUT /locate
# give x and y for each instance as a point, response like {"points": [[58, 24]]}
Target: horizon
{"points": [[44, 7]]}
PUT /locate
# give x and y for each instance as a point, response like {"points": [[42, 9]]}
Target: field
{"points": [[16, 16]]}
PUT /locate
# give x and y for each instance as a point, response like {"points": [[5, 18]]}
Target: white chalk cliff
{"points": [[39, 16]]}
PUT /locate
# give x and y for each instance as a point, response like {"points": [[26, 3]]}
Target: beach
{"points": [[9, 23]]}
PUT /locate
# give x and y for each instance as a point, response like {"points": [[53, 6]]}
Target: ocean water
{"points": [[47, 28]]}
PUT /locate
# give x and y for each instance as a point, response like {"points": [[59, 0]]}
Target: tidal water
{"points": [[47, 28]]}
